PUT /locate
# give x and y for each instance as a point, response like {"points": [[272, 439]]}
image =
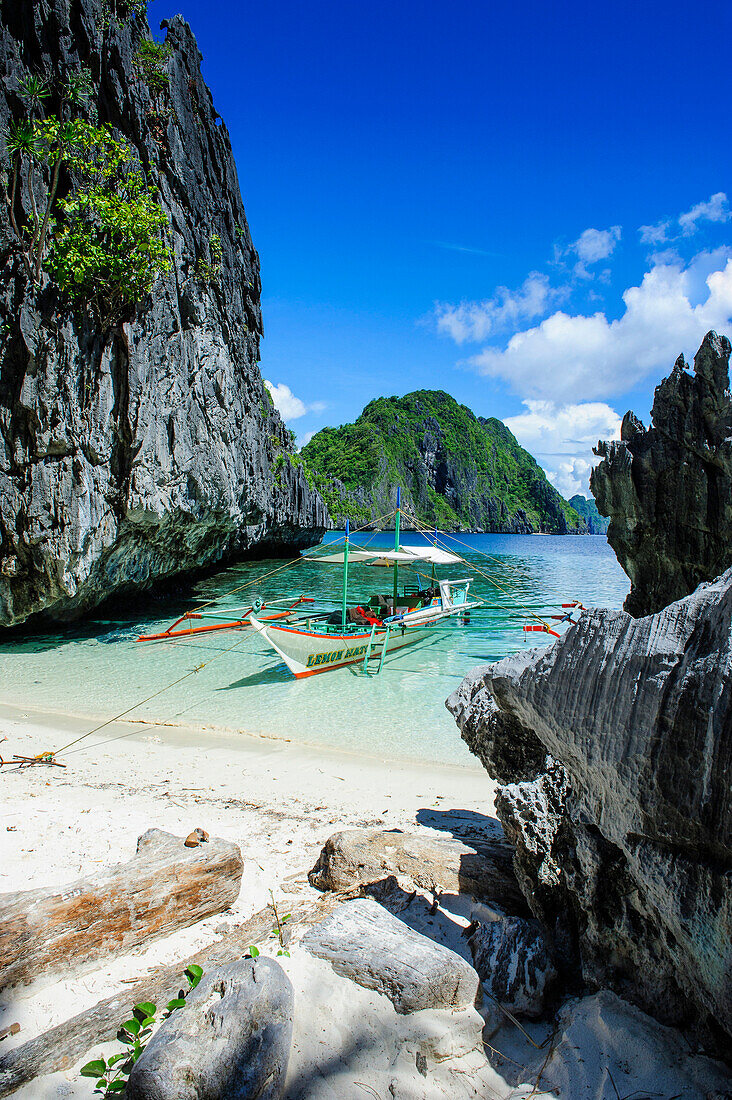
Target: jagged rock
{"points": [[668, 489], [514, 964], [482, 869], [378, 951], [613, 750], [154, 449], [230, 1042]]}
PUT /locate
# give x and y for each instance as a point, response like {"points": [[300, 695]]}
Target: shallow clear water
{"points": [[98, 669]]}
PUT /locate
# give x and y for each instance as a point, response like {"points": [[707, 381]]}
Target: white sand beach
{"points": [[280, 802]]}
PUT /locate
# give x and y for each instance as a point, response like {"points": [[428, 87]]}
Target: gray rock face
{"points": [[514, 964], [153, 449], [360, 856], [668, 488], [613, 749], [230, 1042], [378, 951]]}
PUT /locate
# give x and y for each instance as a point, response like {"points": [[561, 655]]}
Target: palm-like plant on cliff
{"points": [[101, 240]]}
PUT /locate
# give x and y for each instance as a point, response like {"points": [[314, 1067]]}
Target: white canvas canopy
{"points": [[405, 555]]}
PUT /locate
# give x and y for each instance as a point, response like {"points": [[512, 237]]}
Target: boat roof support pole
{"points": [[345, 574], [397, 518]]}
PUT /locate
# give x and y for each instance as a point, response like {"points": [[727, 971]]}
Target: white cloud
{"points": [[288, 406], [589, 356], [716, 209], [654, 234], [507, 308], [561, 438], [571, 475], [596, 244], [303, 440]]}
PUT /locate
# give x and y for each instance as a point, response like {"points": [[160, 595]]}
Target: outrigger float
{"points": [[312, 638]]}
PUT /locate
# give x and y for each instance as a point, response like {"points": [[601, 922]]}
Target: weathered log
{"points": [[231, 1043], [60, 1047], [164, 887], [483, 869], [378, 951]]}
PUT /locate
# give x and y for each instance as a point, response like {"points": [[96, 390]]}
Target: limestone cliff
{"points": [[668, 488], [456, 470], [151, 449], [613, 752]]}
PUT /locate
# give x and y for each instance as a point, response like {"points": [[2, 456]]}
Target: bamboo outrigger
{"points": [[312, 637]]}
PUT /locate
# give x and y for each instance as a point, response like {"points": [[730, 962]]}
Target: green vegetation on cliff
{"points": [[597, 524], [456, 470]]}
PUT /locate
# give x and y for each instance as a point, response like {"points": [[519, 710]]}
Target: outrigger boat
{"points": [[324, 641], [311, 637]]}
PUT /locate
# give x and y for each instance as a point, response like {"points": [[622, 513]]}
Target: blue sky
{"points": [[452, 196]]}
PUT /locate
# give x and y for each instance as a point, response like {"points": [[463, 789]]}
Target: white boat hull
{"points": [[307, 653]]}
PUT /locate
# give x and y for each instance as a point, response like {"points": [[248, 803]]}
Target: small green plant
{"points": [[209, 271], [122, 11], [111, 1073], [34, 89], [279, 927], [151, 60], [102, 243]]}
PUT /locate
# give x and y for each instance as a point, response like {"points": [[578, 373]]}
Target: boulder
{"points": [[482, 869], [668, 489], [378, 951], [513, 963], [613, 753], [231, 1041]]}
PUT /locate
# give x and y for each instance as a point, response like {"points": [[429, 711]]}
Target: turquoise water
{"points": [[98, 669]]}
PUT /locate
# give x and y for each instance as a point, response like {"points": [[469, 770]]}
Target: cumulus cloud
{"points": [[571, 475], [596, 244], [476, 321], [288, 406], [569, 355], [561, 438], [655, 234], [715, 209]]}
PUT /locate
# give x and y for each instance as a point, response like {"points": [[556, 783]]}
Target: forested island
{"points": [[457, 471]]}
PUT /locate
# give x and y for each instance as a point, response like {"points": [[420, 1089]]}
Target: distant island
{"points": [[457, 471], [597, 524]]}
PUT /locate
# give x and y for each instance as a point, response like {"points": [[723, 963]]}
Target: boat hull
{"points": [[307, 653]]}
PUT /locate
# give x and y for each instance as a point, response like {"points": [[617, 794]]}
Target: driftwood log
{"points": [[164, 887], [378, 951], [62, 1046]]}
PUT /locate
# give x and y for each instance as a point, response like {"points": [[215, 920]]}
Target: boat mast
{"points": [[396, 544], [345, 574]]}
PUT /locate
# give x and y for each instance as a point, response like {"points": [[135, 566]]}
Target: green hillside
{"points": [[456, 470], [597, 524]]}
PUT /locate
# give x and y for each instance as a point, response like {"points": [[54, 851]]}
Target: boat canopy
{"points": [[405, 555]]}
